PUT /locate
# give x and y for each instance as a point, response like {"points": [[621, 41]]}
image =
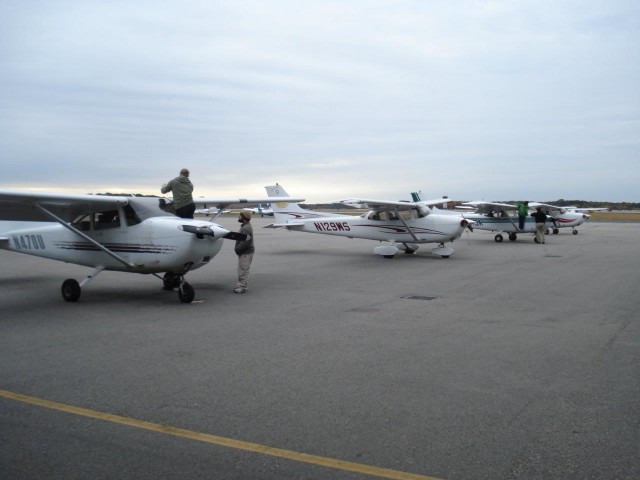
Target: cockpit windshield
{"points": [[147, 207]]}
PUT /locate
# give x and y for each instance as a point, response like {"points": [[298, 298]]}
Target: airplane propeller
{"points": [[214, 231]]}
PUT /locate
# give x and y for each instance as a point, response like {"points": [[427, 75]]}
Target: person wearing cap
{"points": [[540, 218], [182, 189], [245, 250]]}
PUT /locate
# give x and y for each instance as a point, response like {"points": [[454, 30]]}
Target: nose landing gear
{"points": [[173, 281]]}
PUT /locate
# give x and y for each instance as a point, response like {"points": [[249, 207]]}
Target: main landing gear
{"points": [[71, 289], [499, 238]]}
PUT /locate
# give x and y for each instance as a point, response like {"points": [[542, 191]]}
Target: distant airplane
{"points": [[215, 212], [503, 217], [261, 209], [564, 217], [404, 225]]}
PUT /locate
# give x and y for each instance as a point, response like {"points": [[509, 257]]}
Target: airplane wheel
{"points": [[513, 237], [575, 232], [498, 238], [445, 256], [388, 256], [556, 231], [546, 232], [536, 240], [71, 290], [171, 281], [186, 293]]}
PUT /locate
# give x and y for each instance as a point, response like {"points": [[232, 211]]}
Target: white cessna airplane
{"points": [[121, 233], [503, 217], [404, 224], [261, 209], [563, 217]]}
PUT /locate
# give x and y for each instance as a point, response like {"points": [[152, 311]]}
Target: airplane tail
{"points": [[289, 213], [279, 207], [284, 212]]}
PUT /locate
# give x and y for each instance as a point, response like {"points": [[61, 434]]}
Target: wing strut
{"points": [[86, 237], [406, 225], [506, 214]]}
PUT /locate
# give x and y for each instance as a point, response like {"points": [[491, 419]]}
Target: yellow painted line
{"points": [[216, 440]]}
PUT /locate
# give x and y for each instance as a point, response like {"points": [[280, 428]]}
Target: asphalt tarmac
{"points": [[505, 361]]}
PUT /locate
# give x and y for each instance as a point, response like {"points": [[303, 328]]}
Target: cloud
{"points": [[365, 97]]}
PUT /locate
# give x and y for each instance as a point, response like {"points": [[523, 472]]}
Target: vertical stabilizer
{"points": [[282, 211]]}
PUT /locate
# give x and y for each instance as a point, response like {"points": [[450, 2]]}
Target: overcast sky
{"points": [[497, 100]]}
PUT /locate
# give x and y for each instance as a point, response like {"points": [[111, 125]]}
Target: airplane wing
{"points": [[538, 204], [568, 209], [379, 204], [25, 205], [222, 203], [546, 207], [437, 201], [487, 207]]}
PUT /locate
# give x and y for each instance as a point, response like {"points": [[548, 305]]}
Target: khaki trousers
{"points": [[244, 264], [540, 228]]}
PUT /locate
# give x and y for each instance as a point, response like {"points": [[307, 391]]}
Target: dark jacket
{"points": [[540, 216], [244, 247]]}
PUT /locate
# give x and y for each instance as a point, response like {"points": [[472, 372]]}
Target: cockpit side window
{"points": [[406, 214], [83, 222], [105, 220]]}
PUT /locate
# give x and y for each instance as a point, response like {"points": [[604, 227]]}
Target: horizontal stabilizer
{"points": [[285, 225]]}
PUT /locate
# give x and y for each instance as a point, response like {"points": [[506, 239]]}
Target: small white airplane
{"points": [[404, 224], [261, 209], [563, 217], [120, 233], [215, 212]]}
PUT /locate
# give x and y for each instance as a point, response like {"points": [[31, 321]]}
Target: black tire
{"points": [[513, 237], [186, 293], [575, 232], [498, 238], [556, 231], [170, 281], [445, 256], [388, 256], [71, 290], [535, 239]]}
